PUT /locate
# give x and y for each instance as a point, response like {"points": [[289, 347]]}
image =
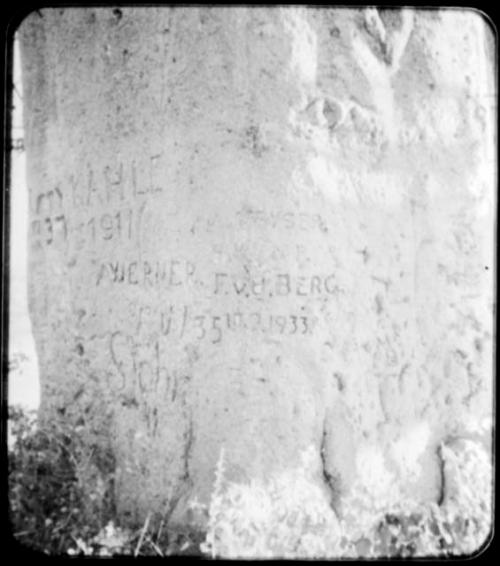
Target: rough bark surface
{"points": [[263, 229]]}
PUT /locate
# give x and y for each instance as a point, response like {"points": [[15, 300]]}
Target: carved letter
{"points": [[283, 284], [101, 273], [329, 284], [131, 273], [258, 287], [218, 282], [300, 290], [172, 281], [239, 287], [118, 274], [147, 273], [315, 285]]}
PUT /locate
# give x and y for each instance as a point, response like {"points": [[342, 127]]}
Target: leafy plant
{"points": [[48, 506], [60, 500], [288, 517], [285, 517], [17, 360]]}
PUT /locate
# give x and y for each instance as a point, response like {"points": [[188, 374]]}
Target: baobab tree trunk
{"points": [[263, 229]]}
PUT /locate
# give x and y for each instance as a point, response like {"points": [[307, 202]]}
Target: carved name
{"points": [[279, 285], [116, 183], [173, 273]]}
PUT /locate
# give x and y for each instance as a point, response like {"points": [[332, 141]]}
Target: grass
{"points": [[53, 512], [286, 516]]}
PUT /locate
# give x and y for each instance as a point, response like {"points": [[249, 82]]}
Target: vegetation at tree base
{"points": [[51, 512], [285, 517], [46, 500]]}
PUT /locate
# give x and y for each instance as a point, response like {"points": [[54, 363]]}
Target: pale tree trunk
{"points": [[261, 229]]}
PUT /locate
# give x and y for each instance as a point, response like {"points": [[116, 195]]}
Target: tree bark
{"points": [[263, 229]]}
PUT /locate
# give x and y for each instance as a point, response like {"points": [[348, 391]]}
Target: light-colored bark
{"points": [[263, 229]]}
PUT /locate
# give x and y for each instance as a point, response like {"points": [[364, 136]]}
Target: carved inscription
{"points": [[183, 321], [119, 224], [279, 285], [49, 202], [109, 226], [247, 217], [49, 225], [214, 327], [111, 187], [118, 183], [48, 230], [173, 273], [179, 272], [143, 379], [143, 376], [286, 220], [139, 365]]}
